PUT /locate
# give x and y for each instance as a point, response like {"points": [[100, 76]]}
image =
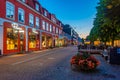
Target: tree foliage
{"points": [[107, 22]]}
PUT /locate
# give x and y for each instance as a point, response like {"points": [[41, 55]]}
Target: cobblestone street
{"points": [[53, 64]]}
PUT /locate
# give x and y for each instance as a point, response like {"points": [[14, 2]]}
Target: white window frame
{"points": [[37, 22], [11, 8], [47, 26], [31, 19], [37, 7], [60, 31], [20, 10], [50, 28], [43, 24], [45, 13], [56, 30]]}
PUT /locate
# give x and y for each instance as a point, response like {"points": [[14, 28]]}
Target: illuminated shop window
{"points": [[10, 10], [21, 15], [44, 41], [49, 41], [32, 40], [12, 39]]}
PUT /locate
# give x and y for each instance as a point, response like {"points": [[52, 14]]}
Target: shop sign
{"points": [[34, 30], [15, 26]]}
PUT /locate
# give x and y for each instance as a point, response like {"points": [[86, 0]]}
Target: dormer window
{"points": [[37, 7], [45, 13], [22, 0], [53, 20]]}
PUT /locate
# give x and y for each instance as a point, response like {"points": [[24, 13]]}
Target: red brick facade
{"points": [[29, 7]]}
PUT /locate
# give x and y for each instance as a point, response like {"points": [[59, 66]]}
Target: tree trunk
{"points": [[113, 42]]}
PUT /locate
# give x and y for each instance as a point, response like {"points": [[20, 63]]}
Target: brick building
{"points": [[26, 26]]}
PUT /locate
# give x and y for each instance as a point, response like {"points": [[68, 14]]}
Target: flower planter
{"points": [[84, 61]]}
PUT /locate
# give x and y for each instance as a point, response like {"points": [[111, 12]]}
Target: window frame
{"points": [[45, 13], [50, 28], [31, 17], [20, 9], [43, 25], [37, 7], [10, 5], [47, 26], [56, 30], [37, 21]]}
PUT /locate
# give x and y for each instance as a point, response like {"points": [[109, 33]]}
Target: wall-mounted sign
{"points": [[34, 31], [15, 26]]}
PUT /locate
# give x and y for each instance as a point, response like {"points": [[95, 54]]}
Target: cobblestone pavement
{"points": [[52, 64]]}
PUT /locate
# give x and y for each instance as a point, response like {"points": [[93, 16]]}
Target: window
{"points": [[37, 22], [47, 26], [45, 13], [53, 29], [53, 20], [33, 40], [50, 28], [43, 25], [21, 15], [10, 10], [60, 31], [31, 20], [56, 30], [12, 39], [37, 7], [22, 0]]}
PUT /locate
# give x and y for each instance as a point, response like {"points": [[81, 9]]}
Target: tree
{"points": [[107, 22]]}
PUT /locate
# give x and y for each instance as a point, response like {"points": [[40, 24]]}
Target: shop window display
{"points": [[43, 41], [12, 39], [32, 40]]}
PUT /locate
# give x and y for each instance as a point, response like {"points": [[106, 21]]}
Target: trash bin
{"points": [[115, 55]]}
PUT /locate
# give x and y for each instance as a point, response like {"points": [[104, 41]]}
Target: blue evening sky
{"points": [[78, 13]]}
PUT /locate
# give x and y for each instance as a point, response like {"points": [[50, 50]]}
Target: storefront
{"points": [[47, 40], [14, 38], [56, 41], [33, 39], [61, 40]]}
